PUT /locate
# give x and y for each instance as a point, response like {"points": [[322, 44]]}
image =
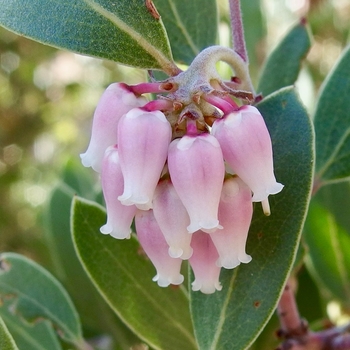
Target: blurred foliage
{"points": [[47, 98]]}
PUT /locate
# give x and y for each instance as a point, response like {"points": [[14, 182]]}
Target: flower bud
{"points": [[114, 103], [197, 172], [246, 146], [235, 215], [153, 243], [144, 139], [119, 216], [202, 261]]}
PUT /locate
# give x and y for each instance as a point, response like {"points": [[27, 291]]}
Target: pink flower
{"points": [[197, 172], [202, 261], [119, 217], [173, 220], [114, 103], [153, 243], [246, 146], [235, 215], [143, 139]]}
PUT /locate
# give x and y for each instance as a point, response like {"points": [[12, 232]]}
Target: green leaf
{"points": [[267, 339], [332, 124], [95, 314], [233, 318], [329, 252], [119, 30], [66, 264], [308, 290], [336, 199], [36, 294], [253, 34], [123, 275], [283, 64], [80, 179], [29, 336], [191, 25], [6, 340]]}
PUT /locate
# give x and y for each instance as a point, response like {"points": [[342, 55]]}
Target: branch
{"points": [[296, 334]]}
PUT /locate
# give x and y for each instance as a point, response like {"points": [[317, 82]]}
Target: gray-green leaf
{"points": [[121, 30], [123, 275], [283, 65], [332, 124], [329, 251], [29, 336], [233, 318], [6, 340], [36, 294], [191, 25]]}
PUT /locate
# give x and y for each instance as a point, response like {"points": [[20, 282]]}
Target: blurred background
{"points": [[48, 96]]}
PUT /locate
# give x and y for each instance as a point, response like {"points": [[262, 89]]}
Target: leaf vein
{"points": [[223, 312], [183, 29], [142, 290], [332, 157], [339, 257], [163, 61]]}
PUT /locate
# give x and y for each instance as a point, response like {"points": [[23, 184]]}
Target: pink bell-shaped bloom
{"points": [[203, 263], [143, 141], [153, 243], [246, 146], [197, 172], [114, 103], [119, 216], [235, 215], [172, 219]]}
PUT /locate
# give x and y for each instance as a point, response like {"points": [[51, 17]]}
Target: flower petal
{"points": [[114, 103], [144, 138], [247, 148], [153, 242], [173, 220], [119, 216], [197, 172], [235, 215], [205, 270]]}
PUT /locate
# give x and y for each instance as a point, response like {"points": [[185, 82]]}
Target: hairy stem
{"points": [[237, 29]]}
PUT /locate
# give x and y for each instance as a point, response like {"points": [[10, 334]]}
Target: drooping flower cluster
{"points": [[164, 164]]}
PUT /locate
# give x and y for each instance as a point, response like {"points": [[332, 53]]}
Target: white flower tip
{"points": [[187, 254], [175, 252], [262, 195], [245, 259], [208, 226], [141, 202], [88, 162], [106, 229], [208, 288], [120, 235], [228, 262], [145, 206], [85, 159], [275, 188], [162, 282], [183, 254], [165, 281]]}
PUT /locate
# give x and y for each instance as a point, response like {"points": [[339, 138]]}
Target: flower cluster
{"points": [[187, 168]]}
